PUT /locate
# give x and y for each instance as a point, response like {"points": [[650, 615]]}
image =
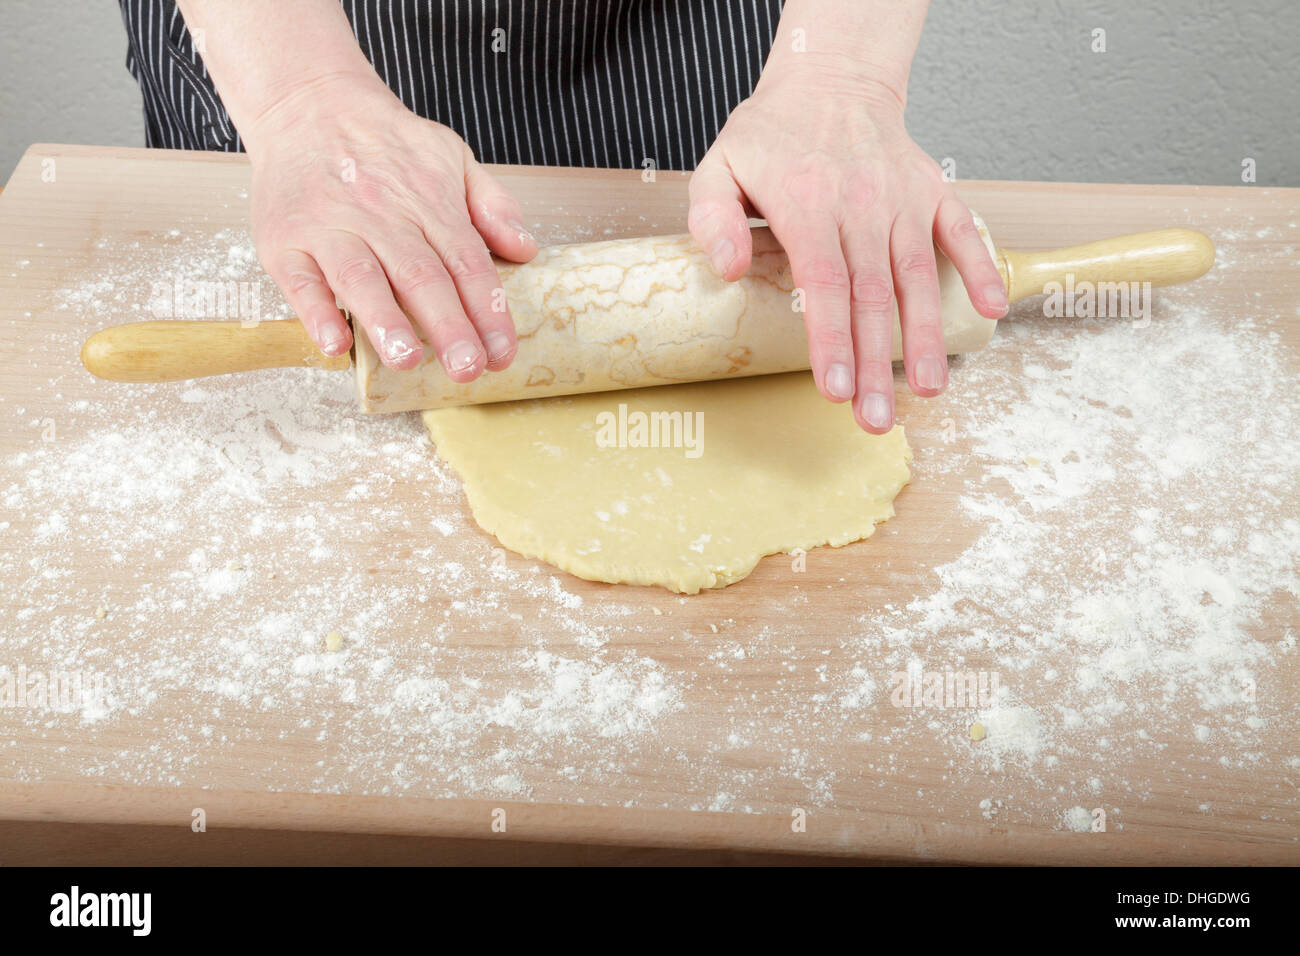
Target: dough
{"points": [[773, 468]]}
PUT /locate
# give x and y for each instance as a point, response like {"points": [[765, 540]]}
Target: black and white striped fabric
{"points": [[595, 83]]}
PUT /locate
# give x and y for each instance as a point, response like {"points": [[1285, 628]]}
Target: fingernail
{"points": [[839, 381], [929, 373], [498, 345], [996, 296], [875, 409], [519, 229], [336, 343], [397, 344], [461, 356], [723, 255]]}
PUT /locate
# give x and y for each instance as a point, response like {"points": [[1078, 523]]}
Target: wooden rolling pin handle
{"points": [[171, 351], [1162, 257]]}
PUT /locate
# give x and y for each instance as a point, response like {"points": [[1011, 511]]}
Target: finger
{"points": [[478, 285], [960, 241], [359, 282], [426, 290], [872, 318], [817, 262], [309, 295], [916, 284], [496, 214], [717, 218]]}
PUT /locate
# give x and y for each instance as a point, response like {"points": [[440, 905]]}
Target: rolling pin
{"points": [[627, 313]]}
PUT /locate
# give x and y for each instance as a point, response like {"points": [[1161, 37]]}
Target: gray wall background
{"points": [[1009, 89]]}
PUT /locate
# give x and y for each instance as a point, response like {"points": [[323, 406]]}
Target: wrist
{"points": [[863, 46], [305, 105], [832, 75]]}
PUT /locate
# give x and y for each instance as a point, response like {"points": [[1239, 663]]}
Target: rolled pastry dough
{"points": [[778, 468]]}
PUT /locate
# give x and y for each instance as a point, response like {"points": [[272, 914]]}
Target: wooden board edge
{"points": [[865, 836], [1135, 189]]}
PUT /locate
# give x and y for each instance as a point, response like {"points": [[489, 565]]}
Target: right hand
{"points": [[356, 198]]}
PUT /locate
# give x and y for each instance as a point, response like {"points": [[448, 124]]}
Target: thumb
{"points": [[717, 218], [496, 214]]}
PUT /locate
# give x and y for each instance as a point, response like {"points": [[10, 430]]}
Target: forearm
{"points": [[270, 60], [849, 41]]}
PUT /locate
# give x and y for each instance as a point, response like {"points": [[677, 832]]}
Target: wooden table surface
{"points": [[476, 688]]}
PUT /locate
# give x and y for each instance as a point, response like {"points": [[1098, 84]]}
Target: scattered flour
{"points": [[1167, 455], [1170, 456], [1078, 819]]}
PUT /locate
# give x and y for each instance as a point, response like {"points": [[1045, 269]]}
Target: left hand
{"points": [[858, 207]]}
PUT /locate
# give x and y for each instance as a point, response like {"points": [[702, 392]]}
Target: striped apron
{"points": [[598, 83]]}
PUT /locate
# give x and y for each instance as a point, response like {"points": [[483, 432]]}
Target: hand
{"points": [[858, 207], [356, 198]]}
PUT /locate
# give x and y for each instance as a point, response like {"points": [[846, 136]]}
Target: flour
{"points": [[1078, 819], [1011, 733], [272, 470], [1167, 455]]}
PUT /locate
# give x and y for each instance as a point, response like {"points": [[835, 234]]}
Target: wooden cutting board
{"points": [[483, 707]]}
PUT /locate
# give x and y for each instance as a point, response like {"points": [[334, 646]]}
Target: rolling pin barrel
{"points": [[636, 312], [628, 313], [631, 313]]}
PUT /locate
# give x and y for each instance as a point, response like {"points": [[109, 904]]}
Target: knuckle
{"points": [[448, 329], [874, 368], [825, 274], [356, 272], [927, 329], [916, 265], [302, 282], [963, 229], [862, 188], [706, 213], [467, 263], [418, 271], [808, 186], [873, 292], [832, 338]]}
